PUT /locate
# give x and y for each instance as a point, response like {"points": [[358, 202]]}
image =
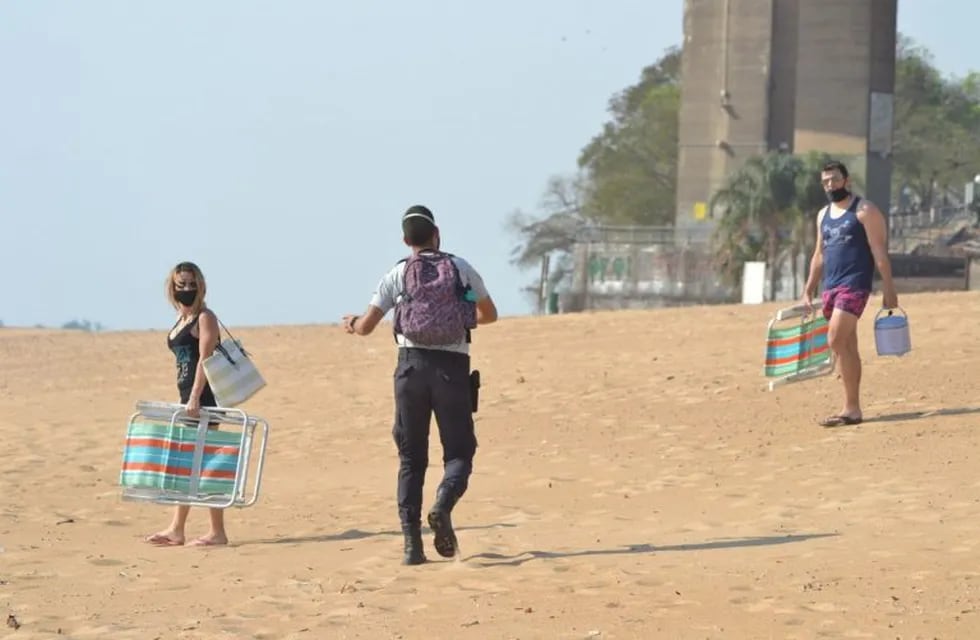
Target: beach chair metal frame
{"points": [[254, 435], [810, 352]]}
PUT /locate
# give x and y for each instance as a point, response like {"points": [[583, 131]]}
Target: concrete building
{"points": [[795, 75]]}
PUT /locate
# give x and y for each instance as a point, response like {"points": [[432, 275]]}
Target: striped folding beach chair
{"points": [[796, 347], [171, 458]]}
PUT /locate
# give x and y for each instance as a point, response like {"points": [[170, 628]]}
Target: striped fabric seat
{"points": [[796, 347], [161, 456]]}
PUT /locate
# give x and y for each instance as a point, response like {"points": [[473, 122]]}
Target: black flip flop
{"points": [[839, 421]]}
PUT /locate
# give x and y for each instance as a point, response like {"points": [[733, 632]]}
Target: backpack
{"points": [[434, 307]]}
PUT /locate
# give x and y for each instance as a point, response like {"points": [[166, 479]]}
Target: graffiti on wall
{"points": [[604, 268]]}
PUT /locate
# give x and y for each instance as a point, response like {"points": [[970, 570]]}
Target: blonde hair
{"points": [[202, 287]]}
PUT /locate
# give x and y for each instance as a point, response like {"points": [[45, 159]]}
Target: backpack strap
{"points": [[221, 324], [460, 286], [394, 323]]}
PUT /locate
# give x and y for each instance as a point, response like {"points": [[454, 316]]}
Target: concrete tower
{"points": [[796, 75]]}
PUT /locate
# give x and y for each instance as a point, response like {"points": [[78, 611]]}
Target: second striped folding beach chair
{"points": [[796, 347]]}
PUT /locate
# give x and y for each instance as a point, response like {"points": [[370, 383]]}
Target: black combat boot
{"points": [[441, 523], [414, 553]]}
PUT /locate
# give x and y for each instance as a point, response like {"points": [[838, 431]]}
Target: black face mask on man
{"points": [[838, 194], [186, 297]]}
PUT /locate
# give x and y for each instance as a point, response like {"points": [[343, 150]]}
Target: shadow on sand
{"points": [[358, 534], [918, 415], [496, 559]]}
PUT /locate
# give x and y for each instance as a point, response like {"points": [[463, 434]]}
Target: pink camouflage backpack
{"points": [[434, 308]]}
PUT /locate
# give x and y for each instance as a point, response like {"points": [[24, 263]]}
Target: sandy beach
{"points": [[634, 479]]}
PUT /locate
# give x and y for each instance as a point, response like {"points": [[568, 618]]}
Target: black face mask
{"points": [[838, 194], [186, 297]]}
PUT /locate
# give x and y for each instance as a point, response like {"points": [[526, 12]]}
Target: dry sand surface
{"points": [[634, 480]]}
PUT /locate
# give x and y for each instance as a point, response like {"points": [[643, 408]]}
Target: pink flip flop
{"points": [[204, 542], [160, 540], [838, 421]]}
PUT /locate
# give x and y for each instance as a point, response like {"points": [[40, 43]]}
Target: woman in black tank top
{"points": [[192, 339], [186, 347]]}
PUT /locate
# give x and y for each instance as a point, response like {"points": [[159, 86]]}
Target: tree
{"points": [[627, 173], [551, 234], [82, 325], [631, 166], [937, 125], [766, 212]]}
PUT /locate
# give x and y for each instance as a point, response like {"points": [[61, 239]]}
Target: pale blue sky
{"points": [[276, 143]]}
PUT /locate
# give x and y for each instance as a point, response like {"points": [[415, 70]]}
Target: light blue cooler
{"points": [[892, 333]]}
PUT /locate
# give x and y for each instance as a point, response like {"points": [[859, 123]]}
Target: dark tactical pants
{"points": [[429, 381]]}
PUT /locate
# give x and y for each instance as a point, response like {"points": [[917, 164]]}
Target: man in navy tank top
{"points": [[852, 241]]}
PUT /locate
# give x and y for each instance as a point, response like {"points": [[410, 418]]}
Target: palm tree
{"points": [[758, 211], [810, 198]]}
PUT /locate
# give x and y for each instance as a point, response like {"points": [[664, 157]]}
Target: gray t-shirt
{"points": [[390, 288]]}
